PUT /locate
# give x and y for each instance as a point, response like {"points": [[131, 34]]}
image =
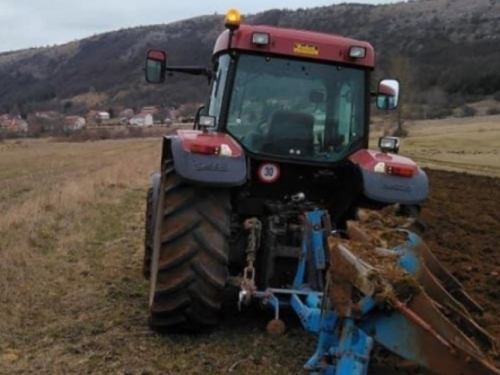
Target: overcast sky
{"points": [[33, 23]]}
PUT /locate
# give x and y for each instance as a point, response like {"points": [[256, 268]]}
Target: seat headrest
{"points": [[290, 133], [290, 123]]}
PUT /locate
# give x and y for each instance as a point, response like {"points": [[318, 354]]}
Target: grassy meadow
{"points": [[72, 296], [458, 144]]}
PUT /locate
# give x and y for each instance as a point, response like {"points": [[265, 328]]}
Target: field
{"points": [[72, 297], [460, 144]]}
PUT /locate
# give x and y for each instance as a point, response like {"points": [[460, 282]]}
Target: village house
{"points": [[103, 116], [152, 110], [13, 124], [127, 113], [97, 117], [75, 122], [173, 114], [142, 120], [48, 115]]}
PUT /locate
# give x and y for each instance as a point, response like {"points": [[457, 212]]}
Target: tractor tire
{"points": [[148, 236], [193, 257]]}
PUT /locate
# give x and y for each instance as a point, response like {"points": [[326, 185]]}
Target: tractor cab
{"points": [[289, 113], [287, 95], [295, 109]]}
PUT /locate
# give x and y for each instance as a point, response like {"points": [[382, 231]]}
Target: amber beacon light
{"points": [[233, 19]]}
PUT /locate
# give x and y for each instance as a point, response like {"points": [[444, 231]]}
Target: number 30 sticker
{"points": [[269, 173]]}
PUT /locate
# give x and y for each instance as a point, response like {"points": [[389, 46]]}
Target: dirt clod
{"points": [[8, 358], [276, 327]]}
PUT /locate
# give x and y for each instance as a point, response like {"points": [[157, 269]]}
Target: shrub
{"points": [[103, 134], [98, 134], [400, 132], [493, 111], [439, 112], [467, 111], [135, 132]]}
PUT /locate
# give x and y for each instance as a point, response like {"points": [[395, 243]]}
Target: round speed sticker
{"points": [[269, 173]]}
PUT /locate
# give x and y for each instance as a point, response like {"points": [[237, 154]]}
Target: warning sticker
{"points": [[306, 49], [269, 173]]}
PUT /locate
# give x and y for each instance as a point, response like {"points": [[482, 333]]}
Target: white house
{"points": [[103, 116], [75, 122], [142, 119]]}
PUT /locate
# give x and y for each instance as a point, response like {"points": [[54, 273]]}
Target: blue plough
{"points": [[426, 328]]}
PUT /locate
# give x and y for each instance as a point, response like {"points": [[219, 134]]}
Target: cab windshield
{"points": [[297, 109]]}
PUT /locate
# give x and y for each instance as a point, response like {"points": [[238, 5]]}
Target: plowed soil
{"points": [[463, 218], [463, 230]]}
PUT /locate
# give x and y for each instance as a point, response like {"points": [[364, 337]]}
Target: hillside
{"points": [[451, 44]]}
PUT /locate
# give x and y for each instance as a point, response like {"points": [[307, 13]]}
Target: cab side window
{"points": [[218, 86], [346, 112]]}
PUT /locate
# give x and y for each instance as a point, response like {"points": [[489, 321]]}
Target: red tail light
{"points": [[199, 148], [400, 171]]}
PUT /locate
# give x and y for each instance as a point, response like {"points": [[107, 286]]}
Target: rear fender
{"points": [[380, 186], [213, 159]]}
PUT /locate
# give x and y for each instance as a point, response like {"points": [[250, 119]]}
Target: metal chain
{"points": [[254, 227]]}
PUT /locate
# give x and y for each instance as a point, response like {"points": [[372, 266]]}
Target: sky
{"points": [[35, 23]]}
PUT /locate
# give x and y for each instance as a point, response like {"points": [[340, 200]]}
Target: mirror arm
{"points": [[193, 70], [197, 117]]}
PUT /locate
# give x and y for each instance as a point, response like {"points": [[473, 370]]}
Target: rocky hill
{"points": [[450, 44]]}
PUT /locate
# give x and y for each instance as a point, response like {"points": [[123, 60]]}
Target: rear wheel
{"points": [[193, 256]]}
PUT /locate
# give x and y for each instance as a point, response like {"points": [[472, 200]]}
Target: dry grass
{"points": [[55, 202], [72, 298], [101, 133], [469, 144]]}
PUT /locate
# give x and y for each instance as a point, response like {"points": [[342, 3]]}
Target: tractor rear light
{"points": [[198, 148], [357, 52], [260, 39], [400, 171]]}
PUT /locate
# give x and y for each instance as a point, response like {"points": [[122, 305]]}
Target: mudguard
{"points": [[381, 186], [213, 159]]}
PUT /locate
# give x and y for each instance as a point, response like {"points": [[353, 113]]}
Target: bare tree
{"points": [[402, 69]]}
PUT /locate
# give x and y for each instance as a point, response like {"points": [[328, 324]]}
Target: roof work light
{"points": [[357, 52], [260, 39], [233, 19]]}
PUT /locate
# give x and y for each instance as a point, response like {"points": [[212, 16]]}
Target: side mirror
{"points": [[388, 94], [156, 66]]}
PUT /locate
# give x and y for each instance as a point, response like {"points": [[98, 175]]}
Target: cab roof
{"points": [[297, 43]]}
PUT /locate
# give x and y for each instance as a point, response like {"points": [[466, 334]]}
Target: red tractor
{"points": [[276, 164]]}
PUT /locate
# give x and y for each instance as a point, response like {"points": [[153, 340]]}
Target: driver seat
{"points": [[290, 133]]}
